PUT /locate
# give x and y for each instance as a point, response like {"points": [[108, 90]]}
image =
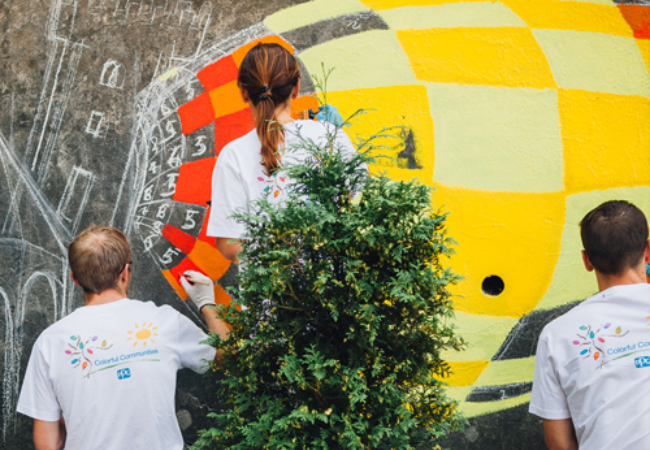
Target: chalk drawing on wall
{"points": [[113, 75], [97, 125], [518, 114], [34, 233], [75, 197], [545, 95]]}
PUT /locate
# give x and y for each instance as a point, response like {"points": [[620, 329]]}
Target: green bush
{"points": [[348, 313]]}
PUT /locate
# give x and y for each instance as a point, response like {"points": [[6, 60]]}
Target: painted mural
{"points": [[523, 115]]}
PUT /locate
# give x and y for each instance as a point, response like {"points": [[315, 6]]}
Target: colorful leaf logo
{"points": [[84, 365], [90, 351], [596, 355], [94, 338], [260, 179], [282, 179], [104, 344], [266, 189], [607, 325], [74, 338], [591, 335], [618, 330], [576, 342], [583, 327], [276, 193], [584, 352], [68, 352], [601, 340], [74, 361], [81, 345]]}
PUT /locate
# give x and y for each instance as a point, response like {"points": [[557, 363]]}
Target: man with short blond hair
{"points": [[104, 377], [592, 367]]}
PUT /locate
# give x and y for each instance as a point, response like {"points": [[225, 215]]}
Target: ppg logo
{"points": [[643, 361], [126, 373]]}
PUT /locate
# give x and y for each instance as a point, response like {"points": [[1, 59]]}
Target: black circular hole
{"points": [[492, 285]]}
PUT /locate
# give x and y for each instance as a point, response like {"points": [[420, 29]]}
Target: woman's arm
{"points": [[229, 248]]}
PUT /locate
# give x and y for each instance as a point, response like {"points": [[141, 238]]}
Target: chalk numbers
{"points": [[200, 146], [190, 223], [168, 256]]}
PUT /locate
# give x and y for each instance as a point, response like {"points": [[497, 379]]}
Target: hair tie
{"points": [[266, 89]]}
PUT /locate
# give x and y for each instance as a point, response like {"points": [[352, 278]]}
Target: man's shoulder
{"points": [[617, 301]]}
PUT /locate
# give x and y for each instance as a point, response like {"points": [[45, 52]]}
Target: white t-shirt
{"points": [[593, 366], [110, 370], [239, 177]]}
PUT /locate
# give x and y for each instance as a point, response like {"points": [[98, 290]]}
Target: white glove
{"points": [[200, 294]]}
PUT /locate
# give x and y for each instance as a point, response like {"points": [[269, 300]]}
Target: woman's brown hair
{"points": [[268, 74]]}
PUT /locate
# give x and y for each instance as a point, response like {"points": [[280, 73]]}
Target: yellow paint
{"points": [[510, 371], [464, 373], [571, 15], [307, 13], [390, 4], [595, 62], [227, 99], [405, 106], [458, 394], [481, 14], [606, 140], [517, 149], [571, 281], [644, 48], [167, 75], [494, 56], [473, 409], [515, 236], [365, 60], [484, 335]]}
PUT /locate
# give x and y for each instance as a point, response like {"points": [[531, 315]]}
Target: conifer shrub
{"points": [[348, 313]]}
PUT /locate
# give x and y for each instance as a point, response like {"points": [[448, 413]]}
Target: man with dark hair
{"points": [[592, 368], [104, 377]]}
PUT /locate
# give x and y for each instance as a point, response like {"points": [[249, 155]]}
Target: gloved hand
{"points": [[200, 294], [328, 113]]}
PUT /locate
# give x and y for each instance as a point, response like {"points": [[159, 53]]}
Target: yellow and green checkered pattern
{"points": [[525, 115]]}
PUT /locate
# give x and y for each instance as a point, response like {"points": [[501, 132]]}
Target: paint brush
{"points": [[194, 280]]}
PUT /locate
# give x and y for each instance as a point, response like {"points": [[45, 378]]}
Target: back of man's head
{"points": [[614, 236], [97, 256]]}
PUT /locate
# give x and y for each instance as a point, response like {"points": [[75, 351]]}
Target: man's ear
{"points": [[125, 273], [586, 262], [647, 251], [74, 279]]}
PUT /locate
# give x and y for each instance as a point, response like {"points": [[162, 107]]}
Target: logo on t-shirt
{"points": [[642, 361], [143, 334], [123, 373], [592, 340], [83, 352], [273, 184]]}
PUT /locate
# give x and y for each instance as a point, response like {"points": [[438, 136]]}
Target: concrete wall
{"points": [[522, 114]]}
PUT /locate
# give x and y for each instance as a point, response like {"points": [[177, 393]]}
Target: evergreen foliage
{"points": [[347, 316]]}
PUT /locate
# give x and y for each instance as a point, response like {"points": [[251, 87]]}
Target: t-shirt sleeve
{"points": [[191, 353], [548, 400], [37, 399], [228, 197]]}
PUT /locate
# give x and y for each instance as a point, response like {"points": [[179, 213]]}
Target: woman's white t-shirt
{"points": [[239, 177]]}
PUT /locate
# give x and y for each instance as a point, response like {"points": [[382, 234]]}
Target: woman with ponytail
{"points": [[250, 167]]}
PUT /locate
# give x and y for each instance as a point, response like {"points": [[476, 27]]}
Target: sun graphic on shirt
{"points": [[143, 333]]}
